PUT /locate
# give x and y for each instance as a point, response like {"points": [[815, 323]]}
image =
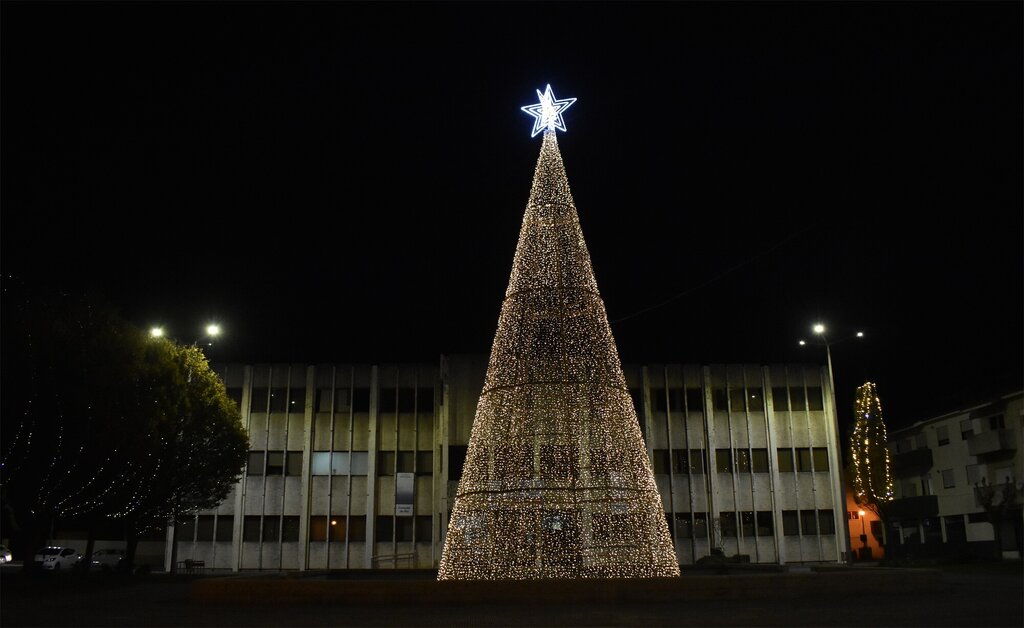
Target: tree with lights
{"points": [[92, 421], [557, 483], [870, 464]]}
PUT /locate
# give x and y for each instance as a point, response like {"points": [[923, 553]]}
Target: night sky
{"points": [[346, 182]]}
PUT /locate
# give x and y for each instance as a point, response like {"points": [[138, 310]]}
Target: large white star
{"points": [[547, 113]]}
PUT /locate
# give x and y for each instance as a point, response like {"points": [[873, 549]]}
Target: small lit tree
{"points": [[871, 468]]}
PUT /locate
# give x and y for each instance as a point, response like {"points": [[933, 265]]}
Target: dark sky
{"points": [[345, 182]]}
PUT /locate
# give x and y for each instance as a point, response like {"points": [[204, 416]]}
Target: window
{"points": [[225, 528], [660, 461], [659, 402], [403, 528], [425, 400], [755, 400], [785, 460], [720, 399], [909, 488], [424, 528], [387, 402], [797, 401], [723, 461], [406, 460], [275, 463], [966, 429], [926, 485], [385, 528], [297, 400], [336, 528], [747, 527], [361, 400], [293, 463], [698, 461], [809, 522], [258, 400], [683, 525], [186, 529], [424, 463], [728, 521], [700, 525], [204, 528], [251, 529], [407, 400], [290, 529], [742, 461], [803, 459], [819, 456], [973, 474], [680, 464], [670, 523], [977, 517], [385, 463], [359, 463], [236, 395], [271, 529], [996, 422], [255, 464], [278, 399], [356, 528], [765, 523], [815, 400], [737, 399], [456, 461], [320, 463], [942, 434], [948, 479], [759, 460], [780, 399], [826, 522], [694, 400], [790, 525]]}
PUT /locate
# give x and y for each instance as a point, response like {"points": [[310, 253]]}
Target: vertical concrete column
{"points": [[835, 459], [442, 422], [773, 467], [371, 471], [307, 455], [709, 444], [240, 489]]}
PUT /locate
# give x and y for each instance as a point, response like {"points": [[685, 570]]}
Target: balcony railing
{"points": [[1003, 440], [914, 507], [911, 463]]}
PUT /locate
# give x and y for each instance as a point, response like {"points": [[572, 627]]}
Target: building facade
{"points": [[356, 466], [944, 467]]}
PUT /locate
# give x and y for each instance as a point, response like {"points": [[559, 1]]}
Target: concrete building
{"points": [[356, 466], [943, 467]]}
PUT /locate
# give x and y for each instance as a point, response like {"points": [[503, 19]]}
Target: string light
{"points": [[872, 476], [556, 483]]}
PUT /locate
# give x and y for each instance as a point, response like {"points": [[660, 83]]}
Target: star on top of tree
{"points": [[547, 113]]}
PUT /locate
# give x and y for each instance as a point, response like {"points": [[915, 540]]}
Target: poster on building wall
{"points": [[404, 484]]}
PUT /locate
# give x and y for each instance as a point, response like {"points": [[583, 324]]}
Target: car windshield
{"points": [[49, 551]]}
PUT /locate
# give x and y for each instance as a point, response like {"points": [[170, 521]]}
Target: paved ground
{"points": [[975, 595]]}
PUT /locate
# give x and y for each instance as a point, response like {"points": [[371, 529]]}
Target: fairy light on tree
{"points": [[869, 455], [557, 483]]}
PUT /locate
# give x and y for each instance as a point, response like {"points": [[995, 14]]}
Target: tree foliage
{"points": [[102, 422]]}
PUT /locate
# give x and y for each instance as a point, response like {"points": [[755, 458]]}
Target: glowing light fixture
{"points": [[547, 113], [213, 329], [156, 332], [819, 328]]}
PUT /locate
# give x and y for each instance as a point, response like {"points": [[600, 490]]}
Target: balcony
{"points": [[911, 463], [994, 441], [914, 507], [1004, 494]]}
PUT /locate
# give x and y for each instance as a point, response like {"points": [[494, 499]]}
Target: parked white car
{"points": [[5, 555], [43, 552], [107, 559], [65, 558]]}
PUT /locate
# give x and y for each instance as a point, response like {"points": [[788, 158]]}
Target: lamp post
{"points": [[819, 330], [863, 532], [212, 331]]}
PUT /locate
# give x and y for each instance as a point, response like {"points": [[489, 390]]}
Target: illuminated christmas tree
{"points": [[869, 454], [556, 483]]}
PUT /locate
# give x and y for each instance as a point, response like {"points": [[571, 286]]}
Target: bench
{"points": [[190, 566]]}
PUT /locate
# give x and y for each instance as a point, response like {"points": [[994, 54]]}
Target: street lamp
{"points": [[819, 330], [863, 532]]}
